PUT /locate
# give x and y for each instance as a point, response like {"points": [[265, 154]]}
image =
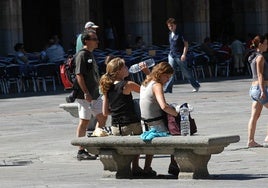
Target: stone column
{"points": [[74, 15], [255, 15], [262, 12], [238, 17], [196, 19], [138, 19], [10, 26]]}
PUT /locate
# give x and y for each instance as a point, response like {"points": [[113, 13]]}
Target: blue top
{"points": [[55, 53], [176, 44]]}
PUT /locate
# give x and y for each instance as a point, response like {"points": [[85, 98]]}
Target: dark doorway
{"points": [[221, 23], [159, 28], [114, 12], [41, 20]]}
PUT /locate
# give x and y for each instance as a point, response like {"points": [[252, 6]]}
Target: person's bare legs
{"points": [[81, 129], [173, 166], [172, 161], [100, 124], [101, 121], [135, 164], [148, 163], [256, 109], [81, 132]]}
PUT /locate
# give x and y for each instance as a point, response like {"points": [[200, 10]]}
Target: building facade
{"points": [[33, 22]]}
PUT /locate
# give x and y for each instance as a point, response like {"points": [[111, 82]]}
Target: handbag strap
{"points": [[152, 119]]}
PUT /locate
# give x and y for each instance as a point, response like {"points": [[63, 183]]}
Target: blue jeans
{"points": [[255, 93], [185, 70]]}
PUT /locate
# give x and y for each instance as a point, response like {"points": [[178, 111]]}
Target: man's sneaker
{"points": [[196, 89], [70, 99], [83, 155]]}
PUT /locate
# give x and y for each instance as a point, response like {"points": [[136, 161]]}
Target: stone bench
{"points": [[71, 108], [192, 153]]}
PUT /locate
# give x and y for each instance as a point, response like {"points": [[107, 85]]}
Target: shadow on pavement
{"points": [[237, 176]]}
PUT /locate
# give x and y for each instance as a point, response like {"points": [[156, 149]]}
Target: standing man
{"points": [[79, 45], [177, 56], [88, 26], [88, 96]]}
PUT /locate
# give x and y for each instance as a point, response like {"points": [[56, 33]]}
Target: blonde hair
{"points": [[157, 71], [112, 68], [108, 58]]}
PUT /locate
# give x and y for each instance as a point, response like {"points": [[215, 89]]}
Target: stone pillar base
{"points": [[192, 166]]}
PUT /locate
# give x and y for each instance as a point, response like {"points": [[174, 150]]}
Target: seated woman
{"points": [[153, 104], [22, 59], [118, 102]]}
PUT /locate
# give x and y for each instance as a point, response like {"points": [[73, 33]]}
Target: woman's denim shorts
{"points": [[255, 93]]}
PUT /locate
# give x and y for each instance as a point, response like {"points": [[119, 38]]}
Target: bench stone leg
{"points": [[112, 161], [192, 165]]}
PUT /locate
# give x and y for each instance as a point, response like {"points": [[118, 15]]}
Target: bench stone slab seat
{"points": [[72, 108], [191, 153]]}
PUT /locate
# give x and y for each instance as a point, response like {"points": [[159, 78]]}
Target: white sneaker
{"points": [[196, 89]]}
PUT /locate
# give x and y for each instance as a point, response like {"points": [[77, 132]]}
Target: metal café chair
{"points": [[2, 79], [44, 72], [223, 62], [13, 76]]}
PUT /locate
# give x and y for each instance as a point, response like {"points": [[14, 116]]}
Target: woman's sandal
{"points": [[254, 145]]}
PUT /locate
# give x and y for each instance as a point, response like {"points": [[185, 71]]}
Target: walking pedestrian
{"points": [[259, 88], [177, 56]]}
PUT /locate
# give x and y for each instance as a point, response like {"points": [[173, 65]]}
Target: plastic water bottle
{"points": [[185, 123], [136, 68]]}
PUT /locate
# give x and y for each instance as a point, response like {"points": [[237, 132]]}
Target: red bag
{"points": [[67, 73]]}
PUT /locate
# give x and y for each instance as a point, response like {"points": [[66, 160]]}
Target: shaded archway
{"points": [[41, 20], [221, 21]]}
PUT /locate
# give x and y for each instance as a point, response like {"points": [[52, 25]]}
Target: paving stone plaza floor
{"points": [[35, 136]]}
